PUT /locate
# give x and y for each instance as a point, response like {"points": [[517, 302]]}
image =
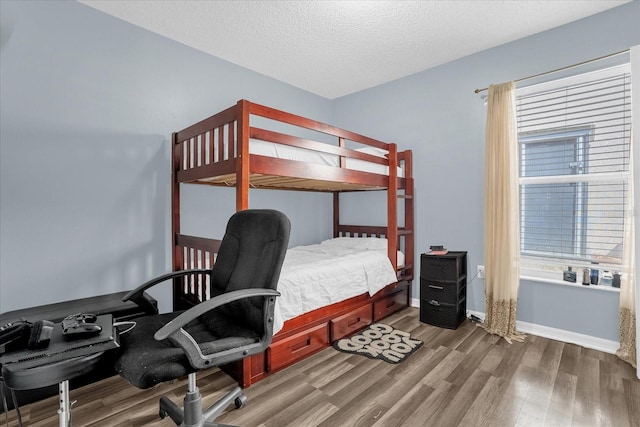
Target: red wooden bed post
{"points": [[176, 156], [408, 213], [242, 165], [336, 194], [336, 213], [392, 206]]}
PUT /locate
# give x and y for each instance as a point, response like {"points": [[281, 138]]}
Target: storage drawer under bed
{"points": [[350, 322], [390, 304], [296, 347]]}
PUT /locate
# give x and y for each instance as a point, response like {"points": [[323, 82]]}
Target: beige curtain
{"points": [[627, 315], [501, 214]]}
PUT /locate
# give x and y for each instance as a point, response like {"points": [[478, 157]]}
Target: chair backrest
{"points": [[250, 256]]}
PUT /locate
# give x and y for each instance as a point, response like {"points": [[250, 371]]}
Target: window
{"points": [[553, 214], [574, 139]]}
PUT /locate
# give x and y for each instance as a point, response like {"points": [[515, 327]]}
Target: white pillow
{"points": [[363, 243]]}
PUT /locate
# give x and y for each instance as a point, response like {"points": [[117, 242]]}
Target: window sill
{"points": [[563, 283]]}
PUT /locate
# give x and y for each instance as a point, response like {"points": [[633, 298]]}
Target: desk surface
{"points": [[60, 349]]}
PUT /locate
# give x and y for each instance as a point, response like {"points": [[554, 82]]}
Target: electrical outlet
{"points": [[481, 272]]}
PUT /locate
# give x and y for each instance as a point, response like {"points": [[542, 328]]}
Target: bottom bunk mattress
{"points": [[319, 275]]}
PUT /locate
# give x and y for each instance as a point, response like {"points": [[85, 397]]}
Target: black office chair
{"points": [[235, 323]]}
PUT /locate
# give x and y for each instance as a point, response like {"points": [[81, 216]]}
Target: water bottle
{"points": [[607, 278]]}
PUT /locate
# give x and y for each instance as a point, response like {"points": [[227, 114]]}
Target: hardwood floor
{"points": [[464, 377]]}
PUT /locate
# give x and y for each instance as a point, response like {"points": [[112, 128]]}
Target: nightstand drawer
{"points": [[449, 293], [449, 267], [443, 315]]}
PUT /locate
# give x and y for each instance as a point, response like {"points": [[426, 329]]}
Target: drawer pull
{"points": [[436, 287], [391, 303], [435, 303], [354, 321], [301, 345]]}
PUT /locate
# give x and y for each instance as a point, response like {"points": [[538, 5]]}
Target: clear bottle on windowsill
{"points": [[607, 278]]}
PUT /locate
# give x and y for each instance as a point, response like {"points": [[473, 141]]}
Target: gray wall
{"points": [[88, 105], [437, 114], [87, 109]]}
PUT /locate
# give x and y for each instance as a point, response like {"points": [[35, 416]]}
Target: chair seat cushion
{"points": [[145, 362]]}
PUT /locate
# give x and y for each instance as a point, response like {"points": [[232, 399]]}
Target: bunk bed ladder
{"points": [[399, 238], [408, 231], [395, 233]]}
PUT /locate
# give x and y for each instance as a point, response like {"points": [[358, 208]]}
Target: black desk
{"points": [[58, 363]]}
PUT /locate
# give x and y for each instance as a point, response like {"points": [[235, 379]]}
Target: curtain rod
{"points": [[563, 68]]}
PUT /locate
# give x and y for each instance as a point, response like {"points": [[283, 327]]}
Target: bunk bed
{"points": [[253, 146]]}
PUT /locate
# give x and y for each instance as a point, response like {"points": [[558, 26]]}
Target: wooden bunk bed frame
{"points": [[215, 151]]}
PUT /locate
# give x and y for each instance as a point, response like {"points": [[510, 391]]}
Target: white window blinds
{"points": [[574, 137]]}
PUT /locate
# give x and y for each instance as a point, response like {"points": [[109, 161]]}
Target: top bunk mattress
{"points": [[286, 152]]}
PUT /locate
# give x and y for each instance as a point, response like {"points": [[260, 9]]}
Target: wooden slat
{"points": [[211, 157], [221, 144], [231, 141], [188, 163]]}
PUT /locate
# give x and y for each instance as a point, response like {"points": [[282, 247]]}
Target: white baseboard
{"points": [[587, 341]]}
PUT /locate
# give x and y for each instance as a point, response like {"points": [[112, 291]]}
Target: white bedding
{"points": [[279, 151], [318, 275]]}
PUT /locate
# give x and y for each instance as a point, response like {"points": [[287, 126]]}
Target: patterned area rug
{"points": [[380, 341]]}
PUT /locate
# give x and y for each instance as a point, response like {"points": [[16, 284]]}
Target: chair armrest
{"points": [[137, 295], [198, 310], [180, 337]]}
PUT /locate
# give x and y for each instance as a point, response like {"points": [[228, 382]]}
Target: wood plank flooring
{"points": [[463, 377]]}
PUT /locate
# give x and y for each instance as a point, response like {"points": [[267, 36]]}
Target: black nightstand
{"points": [[443, 289]]}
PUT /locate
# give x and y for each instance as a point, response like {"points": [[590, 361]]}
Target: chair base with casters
{"points": [[192, 415]]}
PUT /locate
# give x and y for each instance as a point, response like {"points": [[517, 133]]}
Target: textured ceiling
{"points": [[334, 48]]}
